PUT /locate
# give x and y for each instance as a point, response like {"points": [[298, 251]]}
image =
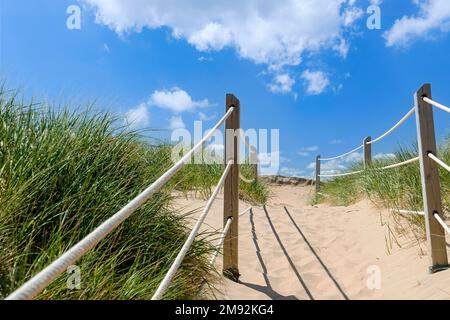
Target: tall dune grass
{"points": [[202, 179], [395, 189], [64, 173]]}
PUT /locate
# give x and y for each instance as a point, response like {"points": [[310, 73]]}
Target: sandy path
{"points": [[292, 250]]}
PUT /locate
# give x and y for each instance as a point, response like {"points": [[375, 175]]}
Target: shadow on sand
{"points": [[267, 290], [317, 256]]}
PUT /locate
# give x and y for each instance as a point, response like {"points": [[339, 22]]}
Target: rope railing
{"points": [[419, 213], [395, 127], [249, 181], [342, 155], [40, 281], [384, 135], [221, 241], [219, 245], [442, 222], [416, 159], [439, 161], [392, 166], [340, 174], [245, 211], [187, 245], [435, 227], [436, 104]]}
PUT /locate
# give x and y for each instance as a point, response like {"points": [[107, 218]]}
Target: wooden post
{"points": [[318, 174], [367, 152], [431, 190], [231, 190]]}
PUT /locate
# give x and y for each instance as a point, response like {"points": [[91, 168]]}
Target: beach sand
{"points": [[292, 250]]}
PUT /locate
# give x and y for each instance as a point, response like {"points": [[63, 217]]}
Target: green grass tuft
{"points": [[61, 175], [395, 189]]}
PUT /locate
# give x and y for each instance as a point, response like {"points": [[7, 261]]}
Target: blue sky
{"points": [[309, 68]]}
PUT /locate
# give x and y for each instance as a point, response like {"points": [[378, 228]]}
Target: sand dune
{"points": [[292, 250]]}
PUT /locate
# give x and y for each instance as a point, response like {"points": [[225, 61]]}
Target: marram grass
{"points": [[61, 175], [395, 189]]}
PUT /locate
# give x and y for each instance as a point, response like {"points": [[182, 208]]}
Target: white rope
{"points": [[442, 223], [398, 124], [342, 155], [40, 281], [340, 174], [399, 164], [221, 241], [383, 168], [439, 161], [436, 104], [245, 211], [179, 259], [245, 179], [420, 213]]}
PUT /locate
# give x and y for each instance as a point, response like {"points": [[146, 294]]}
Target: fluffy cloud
{"points": [[176, 122], [304, 152], [275, 33], [282, 83], [291, 172], [138, 116], [316, 81], [176, 100], [204, 117], [384, 156], [433, 17], [337, 165], [343, 164]]}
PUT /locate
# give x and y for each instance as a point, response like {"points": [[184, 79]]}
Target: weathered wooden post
{"points": [[231, 190], [367, 152], [431, 190], [318, 174]]}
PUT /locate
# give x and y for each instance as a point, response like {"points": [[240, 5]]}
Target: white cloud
{"points": [[316, 81], [304, 152], [106, 48], [205, 59], [343, 164], [336, 141], [351, 15], [284, 159], [433, 17], [204, 117], [342, 48], [337, 165], [176, 122], [291, 172], [282, 83], [138, 116], [384, 156], [275, 33], [176, 100]]}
